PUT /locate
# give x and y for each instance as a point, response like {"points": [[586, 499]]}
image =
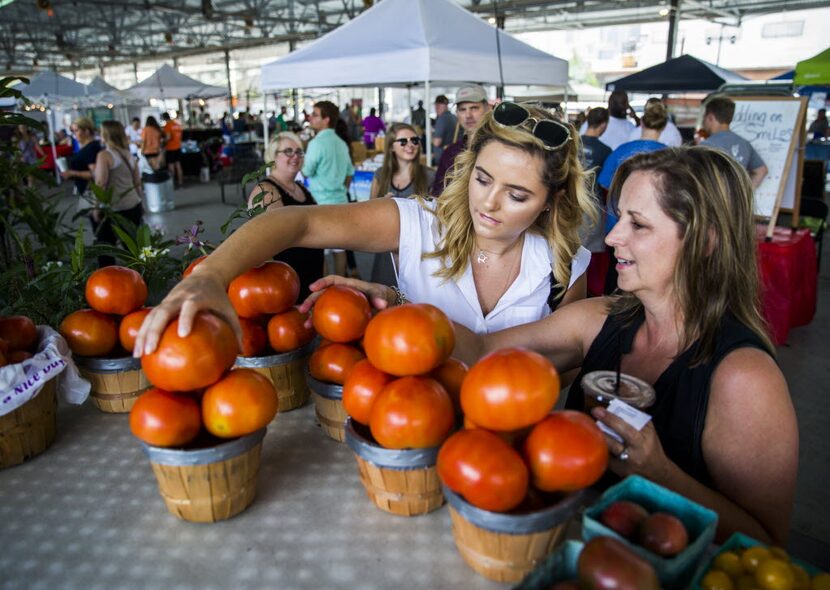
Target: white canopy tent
{"points": [[168, 82], [50, 88], [405, 42]]}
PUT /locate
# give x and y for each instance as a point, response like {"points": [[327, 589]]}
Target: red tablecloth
{"points": [[787, 267]]}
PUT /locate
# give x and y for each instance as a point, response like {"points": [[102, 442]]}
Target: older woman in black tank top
{"points": [[686, 320], [280, 189]]}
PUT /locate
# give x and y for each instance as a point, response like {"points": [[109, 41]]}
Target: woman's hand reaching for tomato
{"points": [[380, 296], [645, 453], [199, 291]]}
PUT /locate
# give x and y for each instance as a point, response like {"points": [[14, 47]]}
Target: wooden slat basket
{"points": [[209, 484], [328, 406], [116, 383], [403, 482], [506, 547], [287, 372], [30, 429]]}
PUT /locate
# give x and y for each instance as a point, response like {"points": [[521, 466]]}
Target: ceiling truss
{"points": [[69, 35]]}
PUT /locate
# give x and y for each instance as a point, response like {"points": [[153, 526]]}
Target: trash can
{"points": [[158, 191]]}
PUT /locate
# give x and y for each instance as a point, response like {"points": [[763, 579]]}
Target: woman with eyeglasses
{"points": [[686, 320], [281, 189], [499, 248], [402, 175]]}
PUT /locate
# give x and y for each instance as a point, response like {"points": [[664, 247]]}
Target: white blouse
{"points": [[524, 301]]}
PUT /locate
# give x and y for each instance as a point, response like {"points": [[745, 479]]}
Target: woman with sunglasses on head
{"points": [[281, 189], [499, 248], [687, 321], [402, 175]]}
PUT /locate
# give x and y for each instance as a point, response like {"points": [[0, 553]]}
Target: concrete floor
{"points": [[86, 513]]}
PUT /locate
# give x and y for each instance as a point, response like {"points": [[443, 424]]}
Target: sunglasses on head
{"points": [[289, 152], [552, 133], [404, 140]]}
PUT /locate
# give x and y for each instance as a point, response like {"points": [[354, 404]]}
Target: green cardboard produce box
{"points": [[559, 566], [700, 523]]}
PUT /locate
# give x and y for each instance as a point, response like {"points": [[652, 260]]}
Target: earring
{"points": [[546, 210]]}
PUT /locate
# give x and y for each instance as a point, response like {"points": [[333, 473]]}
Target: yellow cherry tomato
{"points": [[717, 580], [729, 562], [775, 574], [753, 556], [820, 582], [779, 553]]}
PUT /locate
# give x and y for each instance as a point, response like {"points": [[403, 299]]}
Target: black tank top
{"points": [[308, 262], [682, 392]]}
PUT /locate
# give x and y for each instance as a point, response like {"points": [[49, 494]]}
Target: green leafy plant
{"points": [[242, 211]]}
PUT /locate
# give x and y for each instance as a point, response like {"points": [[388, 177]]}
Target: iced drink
{"points": [[599, 388]]}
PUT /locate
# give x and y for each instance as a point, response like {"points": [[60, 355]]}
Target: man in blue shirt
{"points": [[328, 165]]}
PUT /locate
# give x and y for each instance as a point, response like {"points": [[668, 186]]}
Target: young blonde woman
{"points": [[281, 189], [499, 248], [117, 171], [402, 175]]}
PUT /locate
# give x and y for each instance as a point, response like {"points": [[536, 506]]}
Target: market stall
{"points": [[442, 43]]}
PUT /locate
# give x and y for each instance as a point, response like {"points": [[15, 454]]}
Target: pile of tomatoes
{"points": [[195, 387], [394, 367], [18, 339], [115, 295], [513, 444], [264, 299], [765, 568]]}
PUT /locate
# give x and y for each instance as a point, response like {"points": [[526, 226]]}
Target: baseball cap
{"points": [[471, 93]]}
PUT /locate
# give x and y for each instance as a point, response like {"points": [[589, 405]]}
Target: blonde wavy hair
{"points": [[709, 197], [568, 197], [390, 164]]}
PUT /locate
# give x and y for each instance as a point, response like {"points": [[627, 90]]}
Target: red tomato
{"points": [[412, 413], [272, 287], [115, 289], [89, 332], [361, 388], [19, 332], [165, 419], [341, 314], [333, 363], [199, 360], [287, 331], [129, 326], [480, 466], [18, 356], [510, 389], [566, 451], [410, 339], [193, 265], [451, 375], [253, 338], [240, 403]]}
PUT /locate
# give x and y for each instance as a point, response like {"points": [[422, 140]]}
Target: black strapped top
{"points": [[308, 262], [679, 412]]}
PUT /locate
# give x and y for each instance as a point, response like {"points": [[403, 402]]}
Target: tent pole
{"points": [[428, 125], [674, 17], [49, 123], [265, 123]]}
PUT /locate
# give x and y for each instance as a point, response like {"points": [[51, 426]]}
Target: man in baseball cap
{"points": [[470, 106]]}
